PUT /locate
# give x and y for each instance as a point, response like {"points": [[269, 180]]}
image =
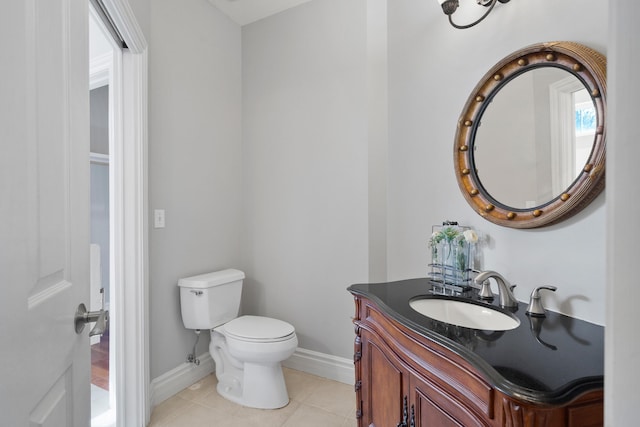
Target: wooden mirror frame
{"points": [[582, 62]]}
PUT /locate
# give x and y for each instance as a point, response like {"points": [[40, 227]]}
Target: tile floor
{"points": [[315, 402]]}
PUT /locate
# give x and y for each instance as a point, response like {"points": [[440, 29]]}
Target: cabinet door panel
{"points": [[383, 395], [435, 407]]}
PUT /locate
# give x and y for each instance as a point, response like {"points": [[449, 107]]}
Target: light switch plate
{"points": [[158, 218]]}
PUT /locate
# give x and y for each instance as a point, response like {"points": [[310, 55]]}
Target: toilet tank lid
{"points": [[209, 280]]}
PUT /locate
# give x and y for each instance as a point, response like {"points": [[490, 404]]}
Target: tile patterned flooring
{"points": [[314, 402]]}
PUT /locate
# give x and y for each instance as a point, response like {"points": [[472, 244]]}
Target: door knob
{"points": [[82, 317]]}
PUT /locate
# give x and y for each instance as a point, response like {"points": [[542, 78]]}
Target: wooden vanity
{"points": [[415, 371]]}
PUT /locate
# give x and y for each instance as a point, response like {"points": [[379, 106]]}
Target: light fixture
{"points": [[450, 6]]}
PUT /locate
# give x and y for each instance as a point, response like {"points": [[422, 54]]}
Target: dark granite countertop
{"points": [[548, 360]]}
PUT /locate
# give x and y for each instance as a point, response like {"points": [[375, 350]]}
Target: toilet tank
{"points": [[209, 300]]}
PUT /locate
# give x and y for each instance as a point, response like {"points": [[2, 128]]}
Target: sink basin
{"points": [[465, 313]]}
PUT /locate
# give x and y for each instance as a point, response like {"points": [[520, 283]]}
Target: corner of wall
{"points": [[179, 378]]}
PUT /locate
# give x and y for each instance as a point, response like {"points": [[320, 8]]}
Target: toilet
{"points": [[247, 350]]}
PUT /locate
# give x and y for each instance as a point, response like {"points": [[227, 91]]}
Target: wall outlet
{"points": [[158, 218]]}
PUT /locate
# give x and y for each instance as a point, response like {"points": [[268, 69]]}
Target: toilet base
{"points": [[263, 387]]}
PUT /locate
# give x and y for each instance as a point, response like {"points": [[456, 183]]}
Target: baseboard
{"points": [[323, 365], [176, 380]]}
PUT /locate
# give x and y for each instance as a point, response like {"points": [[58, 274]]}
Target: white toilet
{"points": [[247, 350]]}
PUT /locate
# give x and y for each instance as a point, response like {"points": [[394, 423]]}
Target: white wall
{"points": [[432, 69], [194, 161], [305, 158], [622, 376]]}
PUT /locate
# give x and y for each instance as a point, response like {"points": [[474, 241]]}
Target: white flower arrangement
{"points": [[453, 235], [470, 236]]}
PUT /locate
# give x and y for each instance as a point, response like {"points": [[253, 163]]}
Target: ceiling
{"points": [[247, 11]]}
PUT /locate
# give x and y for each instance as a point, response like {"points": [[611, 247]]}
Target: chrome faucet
{"points": [[535, 307], [504, 288]]}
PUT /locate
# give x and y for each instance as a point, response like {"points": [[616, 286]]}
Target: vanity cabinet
{"points": [[404, 379]]}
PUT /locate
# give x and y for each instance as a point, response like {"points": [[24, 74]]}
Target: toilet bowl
{"points": [[250, 349], [247, 350]]}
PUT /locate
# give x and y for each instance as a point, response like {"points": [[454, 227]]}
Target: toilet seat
{"points": [[258, 329]]}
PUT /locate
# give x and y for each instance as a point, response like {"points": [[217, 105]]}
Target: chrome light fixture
{"points": [[450, 6]]}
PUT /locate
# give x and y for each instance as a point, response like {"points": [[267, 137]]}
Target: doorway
{"points": [[128, 210], [102, 49]]}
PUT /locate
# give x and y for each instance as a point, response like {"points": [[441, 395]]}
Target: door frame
{"points": [[563, 143], [130, 232]]}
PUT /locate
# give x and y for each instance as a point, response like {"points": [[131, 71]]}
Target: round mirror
{"points": [[530, 144]]}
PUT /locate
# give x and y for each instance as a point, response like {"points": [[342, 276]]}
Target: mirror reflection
{"points": [[543, 124], [530, 142]]}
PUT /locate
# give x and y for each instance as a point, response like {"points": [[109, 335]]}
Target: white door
{"points": [[44, 212]]}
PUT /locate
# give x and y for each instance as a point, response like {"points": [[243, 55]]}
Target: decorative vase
{"points": [[451, 255]]}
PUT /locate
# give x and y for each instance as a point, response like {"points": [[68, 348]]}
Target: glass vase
{"points": [[462, 263], [451, 255]]}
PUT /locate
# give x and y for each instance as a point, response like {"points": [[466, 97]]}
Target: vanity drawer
{"points": [[586, 415]]}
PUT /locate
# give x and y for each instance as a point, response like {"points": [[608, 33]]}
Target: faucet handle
{"points": [[535, 303], [485, 291]]}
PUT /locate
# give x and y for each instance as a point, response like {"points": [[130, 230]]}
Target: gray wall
{"points": [[99, 121], [99, 106], [432, 69], [423, 107], [100, 221], [305, 181], [305, 159], [194, 161], [294, 118]]}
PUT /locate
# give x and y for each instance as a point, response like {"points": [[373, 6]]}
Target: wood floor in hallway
{"points": [[100, 362]]}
